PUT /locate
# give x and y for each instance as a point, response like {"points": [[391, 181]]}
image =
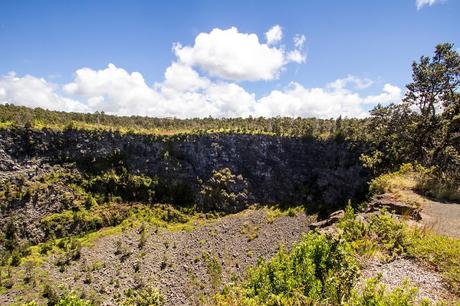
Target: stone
{"points": [[390, 203]]}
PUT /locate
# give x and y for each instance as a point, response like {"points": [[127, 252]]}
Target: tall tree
{"points": [[425, 126]]}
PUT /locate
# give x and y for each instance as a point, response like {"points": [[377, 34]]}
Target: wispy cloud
{"points": [[421, 3]]}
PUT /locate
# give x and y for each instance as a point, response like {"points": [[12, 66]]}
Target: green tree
{"points": [[425, 126], [225, 192]]}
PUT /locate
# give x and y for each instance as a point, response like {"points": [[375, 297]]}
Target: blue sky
{"points": [[366, 44]]}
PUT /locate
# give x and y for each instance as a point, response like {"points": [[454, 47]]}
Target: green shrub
{"points": [[72, 299], [375, 293], [388, 232], [440, 251], [318, 268], [381, 232], [225, 192], [143, 297], [429, 181], [127, 186]]}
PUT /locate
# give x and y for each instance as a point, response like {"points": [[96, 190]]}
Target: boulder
{"points": [[393, 205], [332, 219]]}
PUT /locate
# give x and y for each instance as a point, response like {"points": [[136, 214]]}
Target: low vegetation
{"points": [[323, 269], [427, 181]]}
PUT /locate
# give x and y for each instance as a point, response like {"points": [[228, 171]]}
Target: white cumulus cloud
{"points": [[36, 92], [186, 93], [232, 55], [274, 35], [344, 83], [327, 102], [296, 56]]}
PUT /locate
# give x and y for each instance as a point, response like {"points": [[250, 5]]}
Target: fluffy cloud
{"points": [[390, 94], [37, 92], [274, 35], [232, 55], [328, 102], [296, 56], [113, 90], [422, 3], [184, 93], [181, 77]]}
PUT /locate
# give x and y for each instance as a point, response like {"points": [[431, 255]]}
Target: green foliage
{"points": [[61, 297], [424, 128], [214, 268], [72, 299], [225, 191], [125, 185], [318, 268], [440, 251], [388, 233], [374, 293], [12, 116], [381, 232], [72, 251], [148, 296], [428, 181]]}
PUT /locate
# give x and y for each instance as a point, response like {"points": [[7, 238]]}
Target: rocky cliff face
{"points": [[277, 169]]}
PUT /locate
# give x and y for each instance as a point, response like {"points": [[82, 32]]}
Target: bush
{"points": [[127, 186], [318, 268], [375, 293], [72, 299], [429, 181], [143, 297], [380, 232], [404, 178], [225, 192]]}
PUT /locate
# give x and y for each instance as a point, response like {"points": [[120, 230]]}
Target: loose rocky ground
{"points": [[441, 217], [186, 266], [394, 273]]}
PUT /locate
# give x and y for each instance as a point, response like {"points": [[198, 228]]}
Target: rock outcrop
{"points": [[277, 169]]}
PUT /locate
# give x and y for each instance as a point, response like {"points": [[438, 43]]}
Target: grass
{"points": [[417, 178], [441, 252], [6, 124], [274, 212], [214, 268], [251, 231]]}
